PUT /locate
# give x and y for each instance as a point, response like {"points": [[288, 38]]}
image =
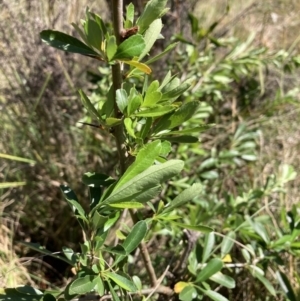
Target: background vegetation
{"points": [[248, 87]]}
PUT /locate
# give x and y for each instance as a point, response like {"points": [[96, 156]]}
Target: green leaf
{"points": [[133, 104], [95, 196], [113, 293], [111, 221], [131, 47], [129, 127], [188, 293], [99, 287], [153, 10], [181, 139], [171, 120], [135, 237], [37, 247], [93, 33], [83, 285], [161, 54], [186, 196], [129, 16], [72, 200], [65, 42], [111, 47], [224, 280], [88, 105], [121, 99], [214, 295], [112, 121], [127, 205], [145, 131], [28, 290], [209, 244], [155, 112], [144, 159], [179, 90], [149, 178], [213, 266], [197, 129], [227, 243], [148, 195], [151, 98], [151, 35], [286, 286], [266, 283], [121, 281], [12, 294], [98, 220], [97, 179], [199, 228], [138, 65]]}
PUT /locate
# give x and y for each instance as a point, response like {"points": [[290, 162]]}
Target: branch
{"points": [[117, 11]]}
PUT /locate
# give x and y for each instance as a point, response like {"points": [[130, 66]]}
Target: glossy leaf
{"points": [[179, 286], [223, 280], [188, 293], [99, 286], [227, 243], [88, 105], [127, 205], [155, 112], [97, 179], [115, 297], [144, 159], [214, 295], [121, 99], [12, 294], [129, 125], [112, 121], [266, 283], [138, 65], [184, 113], [37, 247], [161, 54], [83, 285], [131, 47], [123, 282], [213, 266], [151, 35], [209, 244], [129, 15], [149, 178], [133, 104], [186, 196], [93, 33], [286, 286], [111, 47], [153, 10], [95, 196], [179, 90], [182, 139], [67, 43], [135, 237]]}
